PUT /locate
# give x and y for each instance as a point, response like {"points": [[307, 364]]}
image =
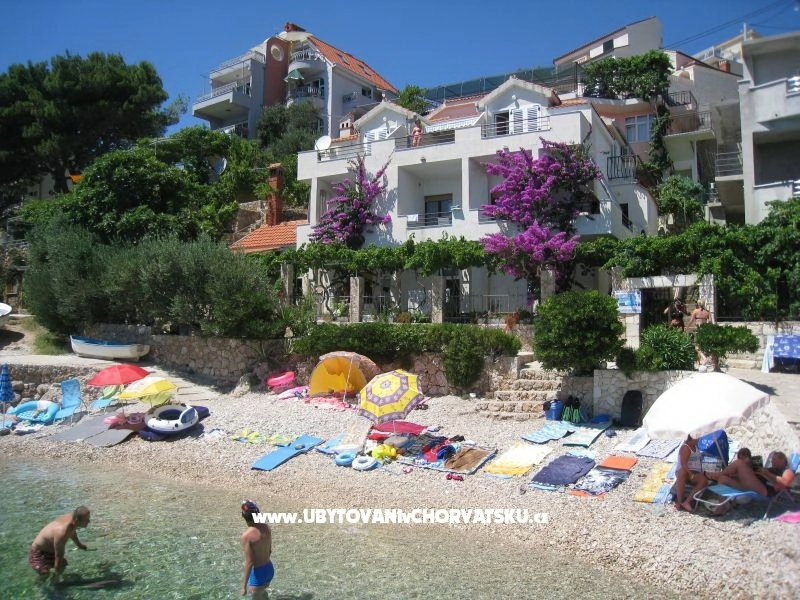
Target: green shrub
{"points": [[716, 341], [664, 348], [626, 360], [463, 358], [577, 330]]}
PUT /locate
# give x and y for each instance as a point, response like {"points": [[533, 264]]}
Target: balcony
{"points": [[236, 64], [441, 219], [308, 62], [224, 102], [774, 101], [344, 151], [729, 163], [306, 91], [622, 167], [698, 122], [428, 139], [491, 130], [683, 98]]}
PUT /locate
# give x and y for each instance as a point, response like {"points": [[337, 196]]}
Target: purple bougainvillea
{"points": [[542, 196], [352, 210]]}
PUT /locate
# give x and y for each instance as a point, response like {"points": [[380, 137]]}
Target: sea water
{"points": [[154, 538]]}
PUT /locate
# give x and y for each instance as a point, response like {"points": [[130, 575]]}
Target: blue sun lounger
{"points": [[728, 494], [276, 458]]}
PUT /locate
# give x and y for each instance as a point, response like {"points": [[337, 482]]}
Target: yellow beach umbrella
{"points": [[389, 396], [148, 386]]}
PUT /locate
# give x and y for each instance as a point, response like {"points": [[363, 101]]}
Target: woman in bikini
{"points": [[684, 476]]}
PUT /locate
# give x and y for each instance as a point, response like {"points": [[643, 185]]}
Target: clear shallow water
{"points": [[166, 541]]}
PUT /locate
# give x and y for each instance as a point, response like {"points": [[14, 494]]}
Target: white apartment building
{"points": [[292, 66], [769, 96], [439, 187]]}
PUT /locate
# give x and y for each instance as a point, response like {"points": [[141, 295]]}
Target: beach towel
{"points": [[586, 435], [295, 392], [517, 460], [655, 487], [465, 461], [600, 480], [552, 430], [355, 435], [613, 461], [659, 448], [563, 470], [790, 517], [636, 442], [384, 430], [329, 446]]}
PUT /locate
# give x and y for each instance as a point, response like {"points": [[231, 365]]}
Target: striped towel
{"points": [[659, 448], [655, 485], [585, 436]]}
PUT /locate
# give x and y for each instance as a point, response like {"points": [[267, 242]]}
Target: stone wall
{"points": [[227, 360], [610, 386]]}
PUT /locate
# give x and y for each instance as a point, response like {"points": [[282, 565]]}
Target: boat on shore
{"points": [[94, 348], [5, 313]]}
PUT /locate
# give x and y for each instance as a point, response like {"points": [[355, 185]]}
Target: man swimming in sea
{"points": [[257, 546], [47, 549]]}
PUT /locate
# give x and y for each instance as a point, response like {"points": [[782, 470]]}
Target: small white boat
{"points": [[92, 348], [5, 313]]}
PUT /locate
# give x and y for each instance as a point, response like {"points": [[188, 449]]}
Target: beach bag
{"points": [[715, 444], [631, 412]]}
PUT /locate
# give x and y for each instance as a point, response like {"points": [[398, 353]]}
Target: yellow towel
{"points": [[517, 460], [653, 482]]}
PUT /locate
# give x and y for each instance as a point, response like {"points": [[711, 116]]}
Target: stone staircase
{"points": [[744, 360], [525, 398]]}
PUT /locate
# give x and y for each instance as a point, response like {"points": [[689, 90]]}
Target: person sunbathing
{"points": [[685, 476], [740, 474], [779, 475]]}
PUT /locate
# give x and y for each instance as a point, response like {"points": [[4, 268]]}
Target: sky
{"points": [[408, 42]]}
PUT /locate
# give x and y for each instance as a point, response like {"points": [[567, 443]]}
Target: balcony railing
{"points": [[621, 167], [252, 55], [428, 139], [729, 163], [540, 123], [793, 85], [236, 86], [306, 54], [689, 123], [440, 219], [345, 151], [684, 98], [306, 91]]}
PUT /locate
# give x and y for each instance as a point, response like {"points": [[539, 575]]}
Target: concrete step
{"points": [[544, 385], [540, 374], [511, 416], [523, 395], [517, 406]]}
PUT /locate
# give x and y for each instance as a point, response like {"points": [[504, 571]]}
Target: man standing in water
{"points": [[257, 546], [47, 549]]}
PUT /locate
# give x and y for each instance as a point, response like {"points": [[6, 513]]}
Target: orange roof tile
{"points": [[351, 63], [459, 108], [276, 237]]}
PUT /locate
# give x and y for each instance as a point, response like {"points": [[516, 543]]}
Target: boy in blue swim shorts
{"points": [[257, 546]]}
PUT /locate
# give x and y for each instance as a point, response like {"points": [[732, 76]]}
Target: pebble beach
{"points": [[690, 554]]}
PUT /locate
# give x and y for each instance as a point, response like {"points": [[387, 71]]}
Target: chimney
{"points": [[275, 201], [724, 65], [292, 27]]}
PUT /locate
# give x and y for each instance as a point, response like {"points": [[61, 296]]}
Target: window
{"points": [[637, 129], [438, 209], [366, 92], [501, 123]]}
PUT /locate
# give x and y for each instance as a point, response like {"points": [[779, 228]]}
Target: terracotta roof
{"points": [[574, 101], [351, 63], [282, 235], [459, 108]]}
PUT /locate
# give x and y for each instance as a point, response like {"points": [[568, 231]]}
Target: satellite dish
{"points": [[323, 143]]}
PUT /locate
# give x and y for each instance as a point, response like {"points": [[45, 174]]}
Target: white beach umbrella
{"points": [[701, 404]]}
